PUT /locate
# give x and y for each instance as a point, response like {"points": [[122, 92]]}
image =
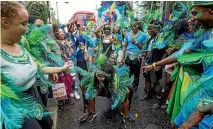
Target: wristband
{"points": [[63, 68]]}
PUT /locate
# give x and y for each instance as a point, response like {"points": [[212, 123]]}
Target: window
{"points": [[86, 16]]}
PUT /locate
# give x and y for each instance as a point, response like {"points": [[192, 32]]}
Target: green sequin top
{"points": [[21, 69]]}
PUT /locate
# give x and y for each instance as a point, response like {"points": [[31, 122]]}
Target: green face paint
{"points": [[199, 14]]}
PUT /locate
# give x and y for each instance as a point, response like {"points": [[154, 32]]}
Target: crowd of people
{"points": [[107, 58]]}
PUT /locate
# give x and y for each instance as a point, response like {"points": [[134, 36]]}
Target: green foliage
{"points": [[38, 8], [147, 5], [171, 5]]}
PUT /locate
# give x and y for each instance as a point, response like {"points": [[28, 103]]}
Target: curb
{"points": [[53, 107]]}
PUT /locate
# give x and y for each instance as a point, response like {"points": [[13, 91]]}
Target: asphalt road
{"points": [[148, 118]]}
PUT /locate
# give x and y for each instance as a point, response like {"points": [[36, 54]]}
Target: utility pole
{"points": [[57, 12]]}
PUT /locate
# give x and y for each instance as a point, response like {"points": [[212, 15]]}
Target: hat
{"points": [[202, 3]]}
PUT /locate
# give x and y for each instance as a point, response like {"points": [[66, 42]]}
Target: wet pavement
{"points": [[148, 118]]}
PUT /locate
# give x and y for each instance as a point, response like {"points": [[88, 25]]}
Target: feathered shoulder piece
{"points": [[16, 106]]}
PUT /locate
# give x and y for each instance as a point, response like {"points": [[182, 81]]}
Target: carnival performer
{"points": [[106, 38], [135, 40], [117, 46], [198, 93], [44, 95], [201, 93], [21, 105], [154, 55], [92, 48], [107, 82]]}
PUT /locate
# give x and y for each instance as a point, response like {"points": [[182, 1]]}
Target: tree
{"points": [[38, 8], [149, 5], [54, 20]]}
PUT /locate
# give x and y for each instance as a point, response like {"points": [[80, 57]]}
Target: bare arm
{"points": [[97, 31], [197, 116], [165, 61], [137, 44], [52, 70]]}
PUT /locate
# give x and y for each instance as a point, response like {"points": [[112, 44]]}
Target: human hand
{"points": [[112, 40], [55, 77], [147, 68], [134, 40], [72, 21], [67, 65]]}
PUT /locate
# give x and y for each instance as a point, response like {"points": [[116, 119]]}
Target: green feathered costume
{"points": [[118, 88], [16, 106]]}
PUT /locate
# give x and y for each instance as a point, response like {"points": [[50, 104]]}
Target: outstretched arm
{"points": [[52, 70], [165, 61]]}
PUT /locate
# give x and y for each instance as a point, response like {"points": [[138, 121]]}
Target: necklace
{"points": [[22, 59], [134, 35]]}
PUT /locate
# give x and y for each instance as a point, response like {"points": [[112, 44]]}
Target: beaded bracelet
{"points": [[63, 68]]}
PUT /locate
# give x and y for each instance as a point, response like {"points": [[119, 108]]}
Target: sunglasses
{"points": [[134, 26]]}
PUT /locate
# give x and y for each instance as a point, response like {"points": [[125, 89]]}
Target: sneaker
{"points": [[72, 95], [76, 95], [164, 106], [131, 117], [84, 118], [167, 102], [156, 106], [91, 117], [69, 101], [146, 97]]}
